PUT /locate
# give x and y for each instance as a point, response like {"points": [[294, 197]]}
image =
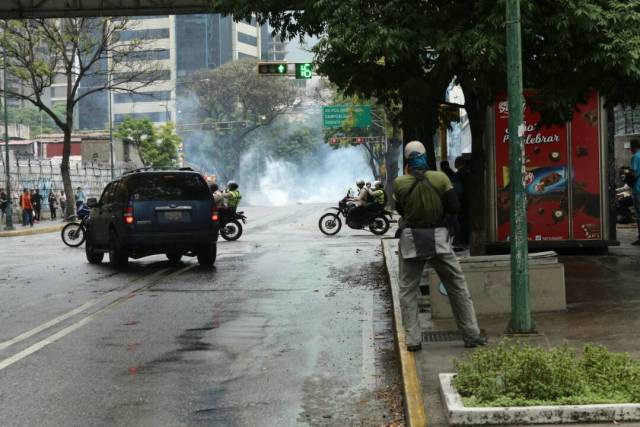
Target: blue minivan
{"points": [[150, 212]]}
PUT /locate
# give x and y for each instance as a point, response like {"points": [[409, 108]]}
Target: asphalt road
{"points": [[290, 328]]}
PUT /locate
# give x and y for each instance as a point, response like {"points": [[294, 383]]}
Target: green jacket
{"points": [[233, 198]]}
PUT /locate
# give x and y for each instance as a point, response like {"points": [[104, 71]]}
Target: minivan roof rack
{"points": [[156, 169]]}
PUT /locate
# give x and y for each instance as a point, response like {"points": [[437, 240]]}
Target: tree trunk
{"points": [[391, 161], [420, 123], [477, 194], [66, 174]]}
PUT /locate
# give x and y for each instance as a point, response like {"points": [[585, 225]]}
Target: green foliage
{"points": [[39, 121], [521, 375], [157, 147]]}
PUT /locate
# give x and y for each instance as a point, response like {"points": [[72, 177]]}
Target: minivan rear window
{"points": [[168, 186]]}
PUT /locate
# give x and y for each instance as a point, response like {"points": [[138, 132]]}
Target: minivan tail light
{"points": [[214, 214], [128, 215]]}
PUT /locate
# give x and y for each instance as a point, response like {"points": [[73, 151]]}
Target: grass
{"points": [[520, 375]]}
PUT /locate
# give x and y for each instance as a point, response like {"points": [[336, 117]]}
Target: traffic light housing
{"points": [[273, 68], [304, 70]]}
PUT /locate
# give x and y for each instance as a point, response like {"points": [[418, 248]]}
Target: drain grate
{"points": [[441, 336]]}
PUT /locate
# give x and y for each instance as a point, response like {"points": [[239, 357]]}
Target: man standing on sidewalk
{"points": [[4, 203], [424, 199], [27, 208], [36, 201], [635, 188]]}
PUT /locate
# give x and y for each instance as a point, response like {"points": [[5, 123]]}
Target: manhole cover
{"points": [[441, 336]]}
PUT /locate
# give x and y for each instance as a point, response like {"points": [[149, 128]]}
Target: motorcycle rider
{"points": [[232, 195], [218, 198], [379, 195], [360, 201]]}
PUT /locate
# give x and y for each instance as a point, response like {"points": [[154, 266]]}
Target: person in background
{"points": [[27, 208], [80, 197], [53, 204], [635, 188], [446, 168], [218, 197], [461, 182], [4, 204], [63, 204], [379, 195], [424, 198], [36, 201]]}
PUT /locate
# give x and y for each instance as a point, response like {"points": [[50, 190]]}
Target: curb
{"points": [[411, 387], [30, 231]]}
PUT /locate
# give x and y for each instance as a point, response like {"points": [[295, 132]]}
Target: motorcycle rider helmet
{"points": [[377, 184], [360, 183], [232, 185]]}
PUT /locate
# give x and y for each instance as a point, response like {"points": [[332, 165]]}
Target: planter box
{"points": [[459, 415], [489, 282]]}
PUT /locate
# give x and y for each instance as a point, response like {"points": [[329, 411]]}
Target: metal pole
{"points": [[521, 321], [9, 211], [111, 160]]}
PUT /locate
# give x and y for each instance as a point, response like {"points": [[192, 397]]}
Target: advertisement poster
{"points": [[585, 152], [561, 176]]}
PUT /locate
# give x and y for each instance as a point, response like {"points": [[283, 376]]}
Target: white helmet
{"points": [[230, 183], [360, 181], [414, 147], [377, 184]]}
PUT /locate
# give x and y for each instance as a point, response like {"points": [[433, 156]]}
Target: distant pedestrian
{"points": [[80, 197], [634, 182], [423, 199], [36, 201], [63, 204], [4, 204], [27, 208], [53, 204], [462, 183]]}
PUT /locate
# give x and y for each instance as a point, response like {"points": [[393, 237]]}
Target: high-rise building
{"points": [[271, 48]]}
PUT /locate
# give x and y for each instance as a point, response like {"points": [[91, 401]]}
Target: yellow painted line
{"points": [[29, 231], [411, 387]]}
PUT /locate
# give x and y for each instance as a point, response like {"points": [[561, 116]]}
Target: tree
{"points": [[234, 101], [142, 134], [407, 52], [158, 148], [40, 52], [38, 122]]}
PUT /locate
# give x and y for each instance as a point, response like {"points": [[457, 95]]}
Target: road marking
{"points": [[126, 292]]}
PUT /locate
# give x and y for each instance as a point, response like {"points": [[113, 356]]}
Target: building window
{"points": [[245, 56], [143, 77], [149, 55], [158, 116], [247, 39], [127, 98], [156, 33], [59, 92]]}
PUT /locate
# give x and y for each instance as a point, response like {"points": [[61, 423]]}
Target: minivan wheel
{"points": [[174, 257], [207, 255], [93, 256], [117, 256]]}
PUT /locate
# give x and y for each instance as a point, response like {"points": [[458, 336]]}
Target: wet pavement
{"points": [[290, 328], [603, 307]]}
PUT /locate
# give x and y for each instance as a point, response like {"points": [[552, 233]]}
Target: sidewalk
{"points": [[603, 307], [44, 226]]}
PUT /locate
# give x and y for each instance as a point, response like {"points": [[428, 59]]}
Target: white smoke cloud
{"points": [[283, 183]]}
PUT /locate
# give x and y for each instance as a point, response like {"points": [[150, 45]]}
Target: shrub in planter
{"points": [[521, 375]]}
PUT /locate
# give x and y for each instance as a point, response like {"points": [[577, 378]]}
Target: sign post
{"points": [[521, 321]]}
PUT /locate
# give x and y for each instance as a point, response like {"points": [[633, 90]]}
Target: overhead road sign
{"points": [[346, 115]]}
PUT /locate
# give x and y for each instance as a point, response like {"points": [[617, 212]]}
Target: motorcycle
{"points": [[74, 233], [624, 206], [376, 218], [230, 227]]}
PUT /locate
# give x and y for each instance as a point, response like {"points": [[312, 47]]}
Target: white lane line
{"points": [[368, 355], [73, 312], [80, 323]]}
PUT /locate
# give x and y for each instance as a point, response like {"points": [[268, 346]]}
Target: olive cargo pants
{"points": [[450, 273]]}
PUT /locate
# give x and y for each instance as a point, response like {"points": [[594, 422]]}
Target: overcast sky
{"points": [[298, 52]]}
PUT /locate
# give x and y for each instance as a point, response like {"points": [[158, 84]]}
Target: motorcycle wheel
{"points": [[231, 231], [330, 224], [73, 234], [379, 225]]}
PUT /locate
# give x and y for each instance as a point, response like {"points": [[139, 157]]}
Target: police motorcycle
{"points": [[376, 218], [230, 226]]}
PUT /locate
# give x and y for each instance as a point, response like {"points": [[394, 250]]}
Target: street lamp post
{"points": [[521, 321], [9, 224]]}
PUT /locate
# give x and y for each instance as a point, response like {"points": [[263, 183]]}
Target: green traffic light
{"points": [[304, 70], [282, 68]]}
